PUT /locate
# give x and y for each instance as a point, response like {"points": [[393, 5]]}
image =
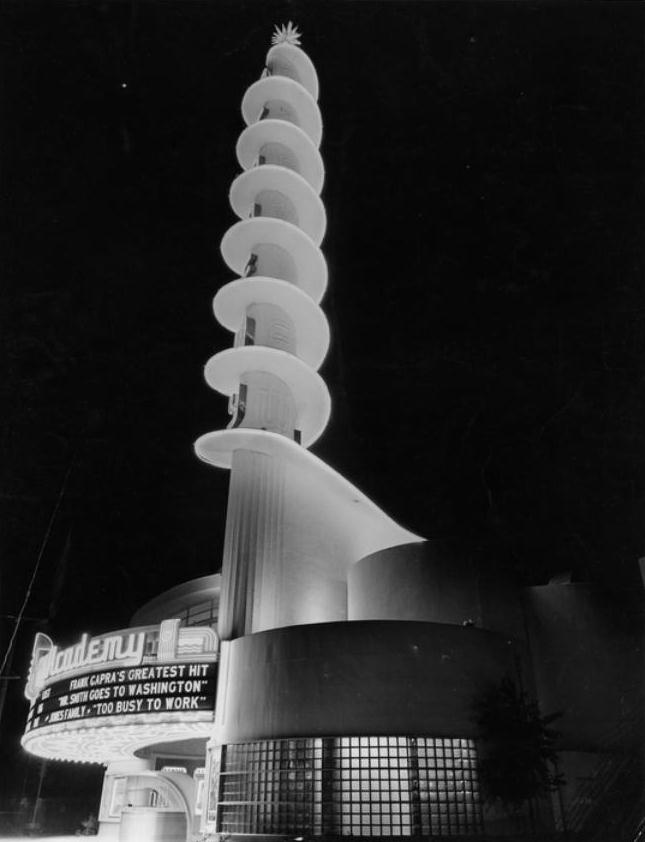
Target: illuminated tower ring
{"points": [[281, 334]]}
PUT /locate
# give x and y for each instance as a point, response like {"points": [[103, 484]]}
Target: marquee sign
{"points": [[153, 669], [135, 690]]}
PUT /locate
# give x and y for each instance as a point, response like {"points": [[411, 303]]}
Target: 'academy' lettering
{"points": [[119, 656], [112, 647]]}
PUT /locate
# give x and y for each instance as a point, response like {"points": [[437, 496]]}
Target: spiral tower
{"points": [[281, 334], [291, 520]]}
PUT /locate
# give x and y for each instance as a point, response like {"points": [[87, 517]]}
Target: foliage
{"points": [[519, 760]]}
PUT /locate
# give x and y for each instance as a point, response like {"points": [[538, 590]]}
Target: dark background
{"points": [[484, 193]]}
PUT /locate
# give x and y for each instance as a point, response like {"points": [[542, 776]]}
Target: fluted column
{"points": [[252, 546]]}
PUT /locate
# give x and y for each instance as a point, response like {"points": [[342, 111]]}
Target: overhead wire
{"points": [[41, 552]]}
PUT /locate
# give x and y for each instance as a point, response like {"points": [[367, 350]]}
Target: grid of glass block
{"points": [[448, 787], [371, 787], [272, 786], [350, 786]]}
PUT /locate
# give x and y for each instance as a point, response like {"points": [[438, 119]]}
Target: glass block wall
{"points": [[350, 786]]}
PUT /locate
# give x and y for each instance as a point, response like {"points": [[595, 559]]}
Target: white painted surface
{"points": [[225, 371], [306, 266], [258, 135], [299, 60], [282, 89], [299, 521], [231, 303], [152, 826], [248, 187]]}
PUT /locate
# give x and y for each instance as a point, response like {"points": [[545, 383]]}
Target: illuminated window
{"points": [[201, 614], [177, 762], [350, 786]]}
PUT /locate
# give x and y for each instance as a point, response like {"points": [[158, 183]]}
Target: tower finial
{"points": [[288, 34]]}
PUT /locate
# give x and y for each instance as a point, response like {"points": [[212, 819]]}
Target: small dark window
{"points": [[251, 267], [297, 436], [241, 406], [257, 209], [262, 159], [265, 113], [249, 331]]}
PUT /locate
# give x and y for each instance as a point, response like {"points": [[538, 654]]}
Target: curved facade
{"points": [[195, 603], [353, 728], [427, 582], [360, 678]]}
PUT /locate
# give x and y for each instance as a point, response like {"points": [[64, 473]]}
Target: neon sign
{"points": [[164, 643]]}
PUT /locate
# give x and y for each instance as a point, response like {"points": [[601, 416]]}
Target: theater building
{"points": [[349, 651]]}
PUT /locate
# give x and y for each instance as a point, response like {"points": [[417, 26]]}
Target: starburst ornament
{"points": [[286, 35]]}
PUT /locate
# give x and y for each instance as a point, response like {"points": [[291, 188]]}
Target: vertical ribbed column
{"points": [[252, 546]]}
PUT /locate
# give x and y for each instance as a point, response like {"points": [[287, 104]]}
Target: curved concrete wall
{"points": [[437, 581], [358, 678], [429, 582]]}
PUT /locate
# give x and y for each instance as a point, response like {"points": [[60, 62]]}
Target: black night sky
{"points": [[485, 199]]}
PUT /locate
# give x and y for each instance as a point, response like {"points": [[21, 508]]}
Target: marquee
{"points": [[130, 680]]}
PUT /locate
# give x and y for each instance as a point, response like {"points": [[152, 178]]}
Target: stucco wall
{"points": [[437, 581], [430, 582]]}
